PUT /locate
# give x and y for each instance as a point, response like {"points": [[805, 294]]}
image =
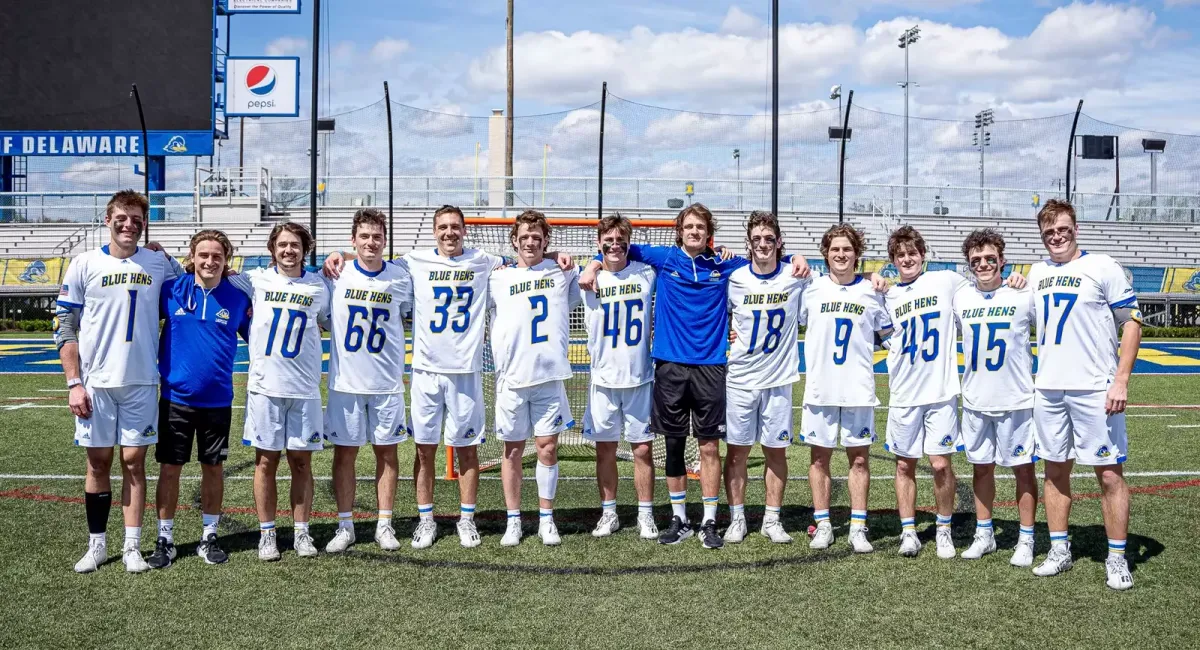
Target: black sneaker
{"points": [[708, 535], [164, 552], [211, 551], [677, 532]]}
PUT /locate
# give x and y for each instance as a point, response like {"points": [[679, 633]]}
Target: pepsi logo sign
{"points": [[260, 80]]}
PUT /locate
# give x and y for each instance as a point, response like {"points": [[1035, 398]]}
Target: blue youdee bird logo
{"points": [[176, 145], [947, 441], [35, 273], [784, 436], [1019, 450], [1193, 283], [1103, 452]]}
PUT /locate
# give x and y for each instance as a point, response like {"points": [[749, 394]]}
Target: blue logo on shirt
{"points": [[947, 441]]}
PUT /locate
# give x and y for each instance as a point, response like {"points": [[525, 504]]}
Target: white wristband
{"points": [[72, 383]]}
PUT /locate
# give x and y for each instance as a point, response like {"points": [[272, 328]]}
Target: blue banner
{"points": [[105, 143]]}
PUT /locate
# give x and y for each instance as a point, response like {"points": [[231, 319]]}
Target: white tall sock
{"points": [[547, 480]]}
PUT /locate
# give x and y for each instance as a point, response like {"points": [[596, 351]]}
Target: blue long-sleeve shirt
{"points": [[199, 341]]}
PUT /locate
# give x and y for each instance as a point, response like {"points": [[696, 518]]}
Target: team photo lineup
{"points": [[688, 341]]}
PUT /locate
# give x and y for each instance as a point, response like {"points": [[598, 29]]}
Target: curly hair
{"points": [[903, 237], [858, 241], [979, 239]]}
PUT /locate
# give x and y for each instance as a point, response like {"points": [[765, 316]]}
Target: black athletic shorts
{"points": [[688, 399], [179, 424]]}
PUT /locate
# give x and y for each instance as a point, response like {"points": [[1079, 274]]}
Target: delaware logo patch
{"points": [[469, 434], [314, 438], [784, 436], [558, 420], [865, 433], [149, 432], [1018, 451], [947, 441], [1103, 452]]}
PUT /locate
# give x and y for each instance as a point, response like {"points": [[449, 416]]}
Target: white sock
{"points": [[736, 511], [983, 526], [101, 538], [466, 511], [1026, 534], [771, 514], [514, 514], [133, 536], [609, 506], [166, 528], [545, 513], [645, 507], [265, 527], [710, 509], [425, 511], [858, 519], [346, 520], [301, 527], [821, 516], [679, 505], [210, 524], [384, 519], [547, 480]]}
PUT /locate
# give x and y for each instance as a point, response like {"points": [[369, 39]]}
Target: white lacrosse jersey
{"points": [[997, 365], [1077, 334], [366, 333], [839, 342], [285, 334], [923, 355], [766, 311], [618, 317], [449, 303], [118, 322], [530, 322]]}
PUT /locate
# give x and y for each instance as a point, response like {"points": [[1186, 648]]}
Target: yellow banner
{"points": [[1181, 280], [33, 273]]}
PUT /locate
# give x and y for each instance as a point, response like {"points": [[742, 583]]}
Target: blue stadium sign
{"points": [[105, 143]]}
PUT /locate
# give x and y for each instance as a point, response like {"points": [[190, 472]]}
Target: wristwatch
{"points": [[72, 383]]}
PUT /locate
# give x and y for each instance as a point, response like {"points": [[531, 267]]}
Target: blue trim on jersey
{"points": [[72, 305], [369, 274], [772, 274], [1130, 301], [905, 284]]}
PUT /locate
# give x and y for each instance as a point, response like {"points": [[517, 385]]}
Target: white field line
{"points": [[1183, 426], [874, 477]]}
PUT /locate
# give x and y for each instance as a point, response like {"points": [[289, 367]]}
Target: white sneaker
{"points": [[646, 526], [468, 535], [773, 530], [858, 540], [823, 537], [303, 542], [342, 540], [425, 533], [1023, 554], [1119, 577], [945, 543], [609, 523], [736, 531], [1057, 561], [385, 537], [983, 544], [268, 550], [910, 546], [134, 562], [93, 557], [513, 533], [548, 532]]}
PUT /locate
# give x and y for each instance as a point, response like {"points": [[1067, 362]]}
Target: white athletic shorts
{"points": [[611, 409], [278, 423], [126, 416], [825, 426], [762, 415], [540, 410], [1072, 424], [930, 429], [1006, 439], [353, 420], [455, 397]]}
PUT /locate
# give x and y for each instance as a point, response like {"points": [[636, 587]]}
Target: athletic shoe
{"points": [[609, 523], [909, 544], [549, 532], [708, 535], [134, 562], [1119, 577], [468, 535], [1023, 554], [164, 553], [945, 543], [678, 531], [1057, 561], [512, 534], [823, 538], [737, 530], [858, 540], [268, 550], [773, 530], [983, 544], [646, 526], [342, 540], [303, 543], [93, 557], [385, 537], [424, 535], [211, 551]]}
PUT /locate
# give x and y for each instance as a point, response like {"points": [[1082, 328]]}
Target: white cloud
{"points": [[741, 23], [287, 46], [388, 49]]}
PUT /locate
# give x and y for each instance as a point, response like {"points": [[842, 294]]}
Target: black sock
{"points": [[97, 505]]}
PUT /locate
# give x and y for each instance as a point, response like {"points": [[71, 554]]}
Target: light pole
{"points": [[1154, 147], [910, 36], [737, 157], [983, 140]]}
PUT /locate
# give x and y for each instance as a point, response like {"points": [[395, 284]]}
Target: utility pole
{"points": [[775, 107], [910, 36], [508, 116], [737, 158], [983, 140]]}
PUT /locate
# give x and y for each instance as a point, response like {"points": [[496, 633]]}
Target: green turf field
{"points": [[616, 592]]}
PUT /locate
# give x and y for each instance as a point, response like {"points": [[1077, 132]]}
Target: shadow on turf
{"points": [[575, 525]]}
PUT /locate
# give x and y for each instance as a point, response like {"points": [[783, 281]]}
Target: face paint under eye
{"points": [[609, 247]]}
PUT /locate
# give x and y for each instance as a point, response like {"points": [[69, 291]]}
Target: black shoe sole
{"points": [[680, 540]]}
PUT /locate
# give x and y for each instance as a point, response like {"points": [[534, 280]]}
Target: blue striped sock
{"points": [[772, 513], [943, 520], [514, 514], [466, 511], [858, 518], [710, 509], [546, 512], [821, 516], [1026, 532], [739, 509], [983, 526], [1058, 538], [266, 525], [679, 505], [1116, 547], [609, 506], [425, 510], [908, 524]]}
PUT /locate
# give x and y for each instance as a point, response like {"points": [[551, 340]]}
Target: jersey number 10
{"points": [[294, 316]]}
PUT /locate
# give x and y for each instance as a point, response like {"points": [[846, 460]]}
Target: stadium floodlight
{"points": [[982, 140], [910, 36], [1154, 146], [835, 92]]}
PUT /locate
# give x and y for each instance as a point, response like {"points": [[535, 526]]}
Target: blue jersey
{"points": [[199, 341]]}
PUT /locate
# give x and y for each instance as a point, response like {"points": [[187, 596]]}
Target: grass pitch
{"points": [[617, 592]]}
